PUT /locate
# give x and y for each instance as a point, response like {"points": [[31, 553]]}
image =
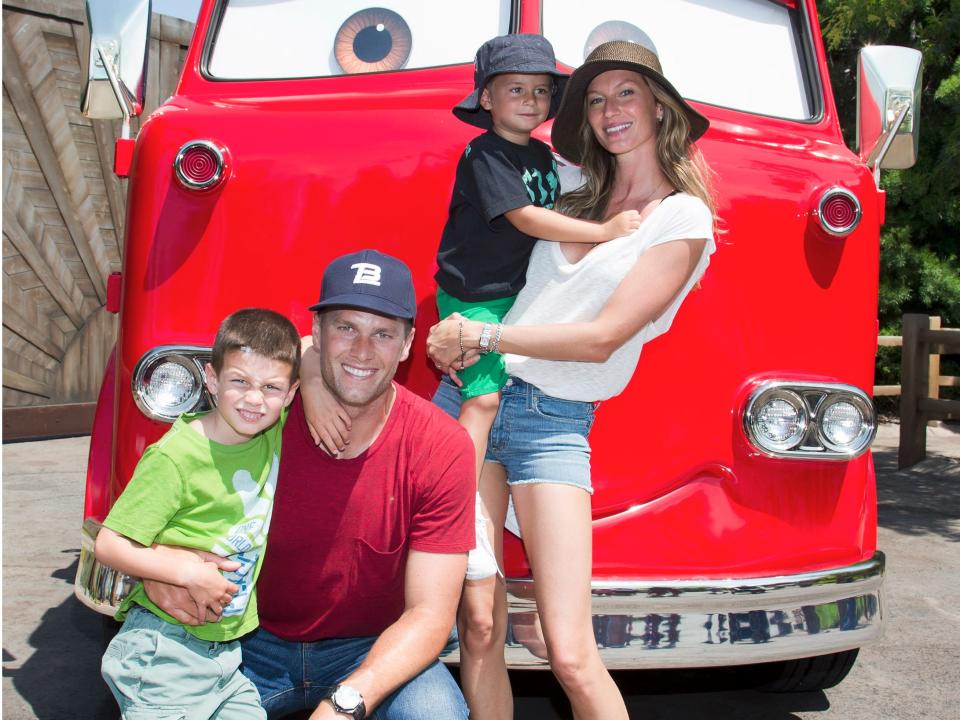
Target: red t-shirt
{"points": [[341, 529]]}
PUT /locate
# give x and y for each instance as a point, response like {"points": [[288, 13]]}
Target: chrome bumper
{"points": [[97, 586], [649, 624], [689, 623]]}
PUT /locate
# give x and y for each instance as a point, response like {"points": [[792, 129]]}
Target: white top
{"points": [[558, 291]]}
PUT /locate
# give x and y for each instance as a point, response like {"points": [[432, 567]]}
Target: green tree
{"points": [[920, 244]]}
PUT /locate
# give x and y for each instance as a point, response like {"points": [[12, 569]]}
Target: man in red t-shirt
{"points": [[366, 552]]}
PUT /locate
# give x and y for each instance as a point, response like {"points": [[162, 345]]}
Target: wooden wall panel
{"points": [[63, 208]]}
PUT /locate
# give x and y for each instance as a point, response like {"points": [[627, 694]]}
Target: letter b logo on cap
{"points": [[367, 274]]}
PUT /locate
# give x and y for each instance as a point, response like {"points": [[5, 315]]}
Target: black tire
{"points": [[809, 674]]}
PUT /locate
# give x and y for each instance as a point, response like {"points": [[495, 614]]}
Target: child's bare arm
{"points": [[551, 225], [328, 422], [207, 587]]}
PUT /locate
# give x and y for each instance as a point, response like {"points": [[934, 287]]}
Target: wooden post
{"points": [[915, 382], [934, 381]]}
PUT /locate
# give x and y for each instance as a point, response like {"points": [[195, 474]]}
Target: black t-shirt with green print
{"points": [[482, 256]]}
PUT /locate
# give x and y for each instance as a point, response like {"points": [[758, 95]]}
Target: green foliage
{"points": [[920, 244]]}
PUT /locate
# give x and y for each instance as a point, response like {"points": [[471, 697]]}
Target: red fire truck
{"points": [[735, 508]]}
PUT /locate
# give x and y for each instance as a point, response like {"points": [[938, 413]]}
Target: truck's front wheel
{"points": [[809, 674]]}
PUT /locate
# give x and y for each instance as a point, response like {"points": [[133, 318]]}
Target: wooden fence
{"points": [[923, 342]]}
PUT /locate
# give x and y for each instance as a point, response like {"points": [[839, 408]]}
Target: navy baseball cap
{"points": [[369, 280], [523, 53]]}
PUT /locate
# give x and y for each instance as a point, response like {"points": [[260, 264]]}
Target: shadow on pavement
{"points": [[61, 679], [717, 694], [924, 498]]}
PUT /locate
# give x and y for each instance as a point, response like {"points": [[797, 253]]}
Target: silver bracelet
{"points": [[495, 347]]}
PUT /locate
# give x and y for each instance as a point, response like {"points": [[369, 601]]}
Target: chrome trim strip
{"points": [[836, 230], [97, 586], [705, 623], [192, 184], [817, 397]]}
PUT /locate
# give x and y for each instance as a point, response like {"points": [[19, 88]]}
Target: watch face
{"points": [[347, 697]]}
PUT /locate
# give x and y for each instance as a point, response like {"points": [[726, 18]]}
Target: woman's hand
{"points": [[327, 420], [445, 340]]}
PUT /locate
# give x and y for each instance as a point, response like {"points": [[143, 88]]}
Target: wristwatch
{"points": [[485, 334], [349, 701]]}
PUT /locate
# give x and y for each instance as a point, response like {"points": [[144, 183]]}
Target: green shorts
{"points": [[158, 670], [490, 373]]}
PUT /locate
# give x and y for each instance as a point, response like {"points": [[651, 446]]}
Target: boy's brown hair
{"points": [[258, 330]]}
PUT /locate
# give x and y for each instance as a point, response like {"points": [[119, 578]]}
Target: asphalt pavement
{"points": [[52, 643]]}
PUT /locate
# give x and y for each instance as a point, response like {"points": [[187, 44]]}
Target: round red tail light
{"points": [[839, 211], [200, 165]]}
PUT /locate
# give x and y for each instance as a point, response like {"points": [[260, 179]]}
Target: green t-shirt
{"points": [[193, 492]]}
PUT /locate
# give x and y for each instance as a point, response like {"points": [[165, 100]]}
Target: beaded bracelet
{"points": [[463, 353]]}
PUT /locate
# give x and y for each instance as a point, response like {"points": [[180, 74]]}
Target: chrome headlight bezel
{"points": [[191, 358], [815, 399]]}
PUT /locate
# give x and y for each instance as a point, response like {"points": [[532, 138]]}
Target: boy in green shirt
{"points": [[207, 484]]}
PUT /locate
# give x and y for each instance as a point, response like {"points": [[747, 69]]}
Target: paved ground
{"points": [[51, 643]]}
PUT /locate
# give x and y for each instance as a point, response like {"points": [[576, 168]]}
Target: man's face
{"points": [[359, 353]]}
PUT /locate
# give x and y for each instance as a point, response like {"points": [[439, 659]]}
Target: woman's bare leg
{"points": [[557, 534], [482, 617]]}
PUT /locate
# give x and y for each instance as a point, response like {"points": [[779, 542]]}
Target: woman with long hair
{"points": [[592, 308]]}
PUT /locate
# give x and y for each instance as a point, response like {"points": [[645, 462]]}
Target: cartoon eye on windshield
{"points": [[314, 38], [373, 40]]}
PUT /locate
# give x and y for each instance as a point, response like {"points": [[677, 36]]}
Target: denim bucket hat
{"points": [[522, 53]]}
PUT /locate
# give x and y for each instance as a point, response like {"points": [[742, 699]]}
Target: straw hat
{"points": [[614, 55]]}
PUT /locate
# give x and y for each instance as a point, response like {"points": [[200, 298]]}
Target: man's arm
{"points": [[206, 586], [432, 585], [176, 600]]}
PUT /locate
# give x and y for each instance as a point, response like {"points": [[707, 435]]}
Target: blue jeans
{"points": [[294, 676]]}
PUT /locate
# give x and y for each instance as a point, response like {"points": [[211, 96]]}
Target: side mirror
{"points": [[119, 37], [888, 106]]}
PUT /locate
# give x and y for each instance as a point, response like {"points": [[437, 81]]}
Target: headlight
{"points": [[846, 424], [826, 421], [168, 381], [781, 420]]}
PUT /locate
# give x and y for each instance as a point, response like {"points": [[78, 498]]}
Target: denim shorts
{"points": [[536, 437]]}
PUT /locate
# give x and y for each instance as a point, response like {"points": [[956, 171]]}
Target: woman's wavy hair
{"points": [[680, 161]]}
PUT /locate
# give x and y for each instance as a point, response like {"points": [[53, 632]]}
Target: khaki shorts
{"points": [[159, 671]]}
